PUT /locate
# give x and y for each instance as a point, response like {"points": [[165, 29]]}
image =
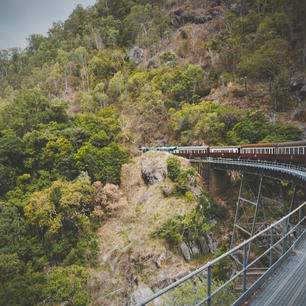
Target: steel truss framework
{"points": [[258, 221], [260, 203]]}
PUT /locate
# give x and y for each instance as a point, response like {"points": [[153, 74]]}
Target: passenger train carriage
{"points": [[192, 151], [224, 151], [260, 151], [294, 151]]}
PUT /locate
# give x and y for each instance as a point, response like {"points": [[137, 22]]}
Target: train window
{"points": [[296, 150], [291, 150], [300, 150]]}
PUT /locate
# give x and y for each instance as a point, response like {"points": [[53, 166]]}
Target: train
{"points": [[292, 152]]}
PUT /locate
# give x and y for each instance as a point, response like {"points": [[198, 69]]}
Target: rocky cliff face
{"points": [[131, 264]]}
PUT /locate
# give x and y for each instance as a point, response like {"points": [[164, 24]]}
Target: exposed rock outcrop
{"points": [[141, 294], [137, 54], [153, 172], [182, 16]]}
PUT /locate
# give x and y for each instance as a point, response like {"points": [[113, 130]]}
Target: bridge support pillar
{"points": [[216, 181]]}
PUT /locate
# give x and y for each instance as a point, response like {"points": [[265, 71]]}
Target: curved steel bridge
{"points": [[279, 244], [285, 172]]}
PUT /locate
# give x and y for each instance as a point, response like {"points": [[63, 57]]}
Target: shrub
{"points": [[173, 168]]}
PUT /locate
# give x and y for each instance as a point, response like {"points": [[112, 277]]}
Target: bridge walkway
{"points": [[287, 286]]}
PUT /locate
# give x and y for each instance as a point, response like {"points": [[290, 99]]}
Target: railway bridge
{"points": [[268, 266]]}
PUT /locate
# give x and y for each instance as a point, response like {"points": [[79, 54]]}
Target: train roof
{"points": [[273, 144], [292, 143], [224, 147], [164, 148], [192, 148]]}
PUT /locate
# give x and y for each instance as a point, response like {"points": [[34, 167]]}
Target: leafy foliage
{"points": [[173, 168], [47, 203], [48, 143], [213, 124], [254, 128], [179, 177], [193, 225], [68, 285]]}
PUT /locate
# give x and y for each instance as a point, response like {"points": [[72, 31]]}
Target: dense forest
{"points": [[114, 76]]}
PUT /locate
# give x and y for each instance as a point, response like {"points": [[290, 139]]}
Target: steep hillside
{"points": [[76, 199], [132, 262], [149, 59]]}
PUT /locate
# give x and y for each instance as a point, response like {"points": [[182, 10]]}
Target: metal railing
{"points": [[205, 285], [275, 166]]}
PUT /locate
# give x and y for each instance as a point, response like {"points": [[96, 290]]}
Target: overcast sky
{"points": [[21, 18]]}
